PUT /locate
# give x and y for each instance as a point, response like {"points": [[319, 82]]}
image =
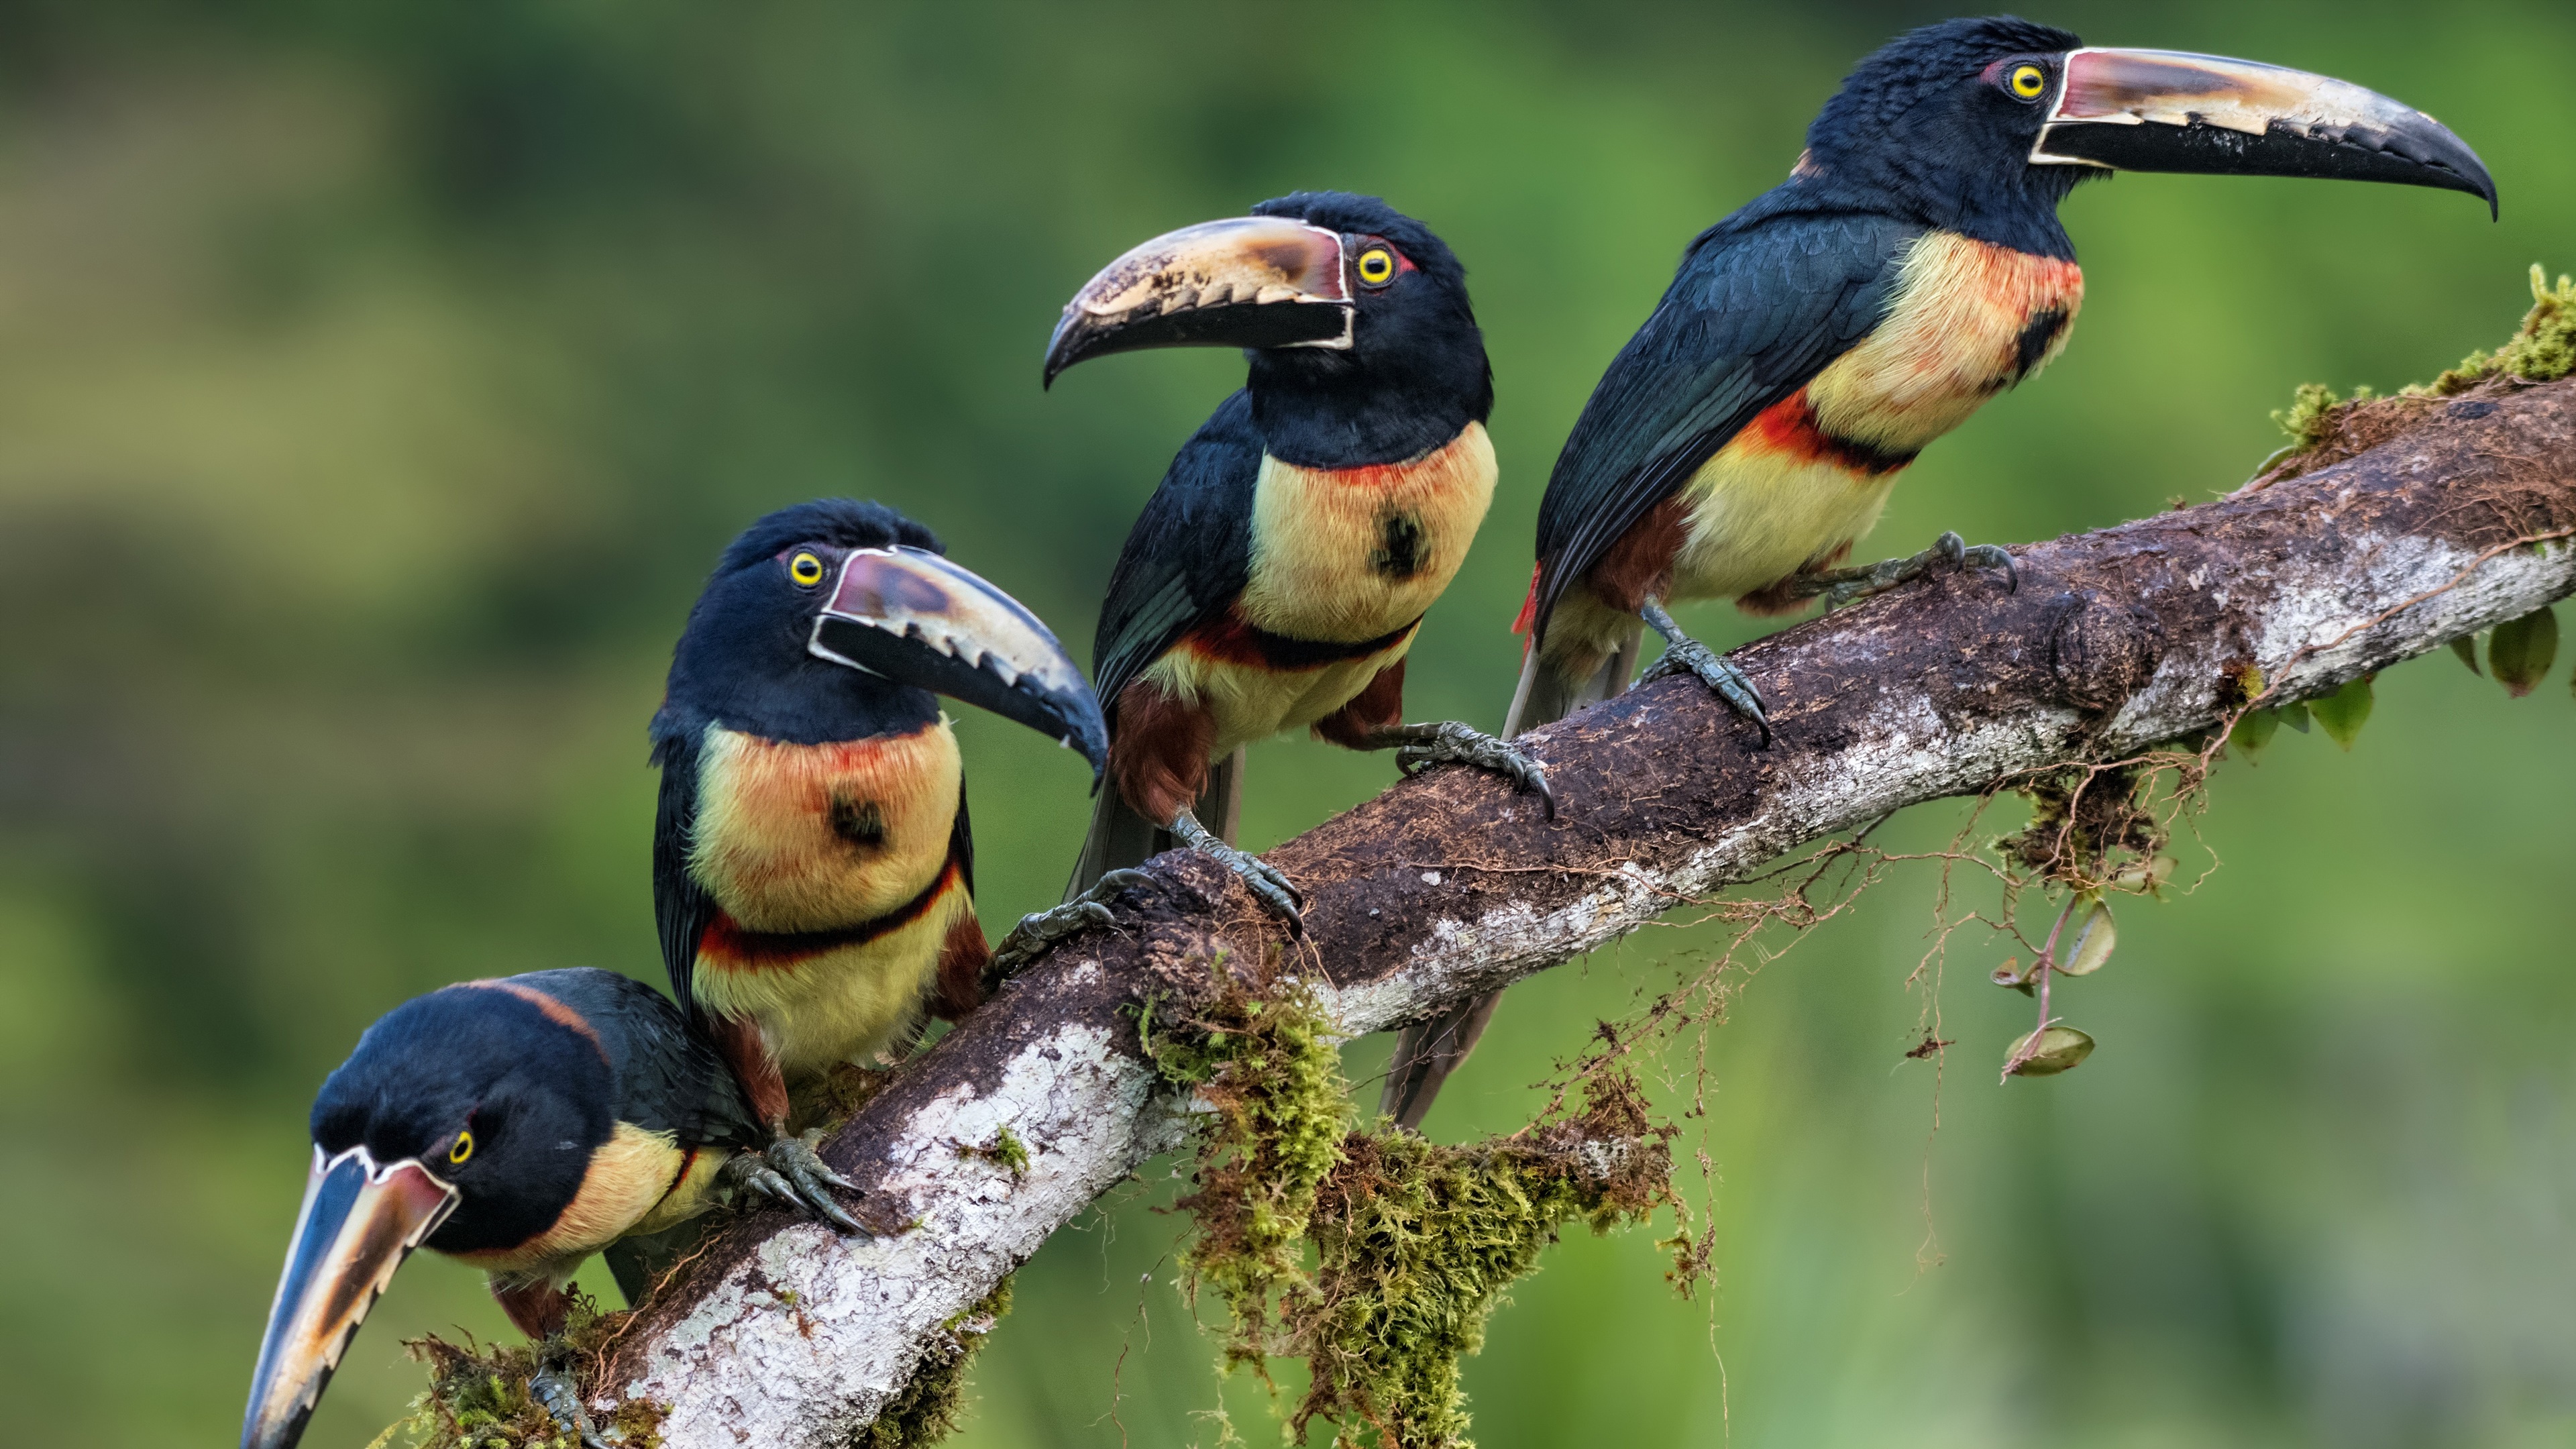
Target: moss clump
{"points": [[2084, 821], [1268, 1066], [927, 1409], [2542, 349], [1416, 1243], [2324, 428], [478, 1396]]}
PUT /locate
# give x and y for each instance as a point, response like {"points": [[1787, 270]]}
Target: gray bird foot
{"points": [[1038, 931], [1686, 655], [553, 1388], [1418, 747], [1845, 586], [1260, 877], [792, 1174]]}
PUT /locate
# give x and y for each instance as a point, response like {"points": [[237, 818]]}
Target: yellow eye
{"points": [[463, 1149], [2028, 82], [1377, 266], [805, 569]]}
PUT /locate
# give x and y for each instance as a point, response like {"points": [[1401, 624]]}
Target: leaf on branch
{"points": [[2046, 1053], [2093, 943], [2466, 647], [2295, 715], [2344, 711], [2521, 652], [2254, 730]]}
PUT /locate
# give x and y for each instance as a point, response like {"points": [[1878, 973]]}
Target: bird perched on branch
{"points": [[1911, 267], [813, 872], [1278, 576], [518, 1125]]}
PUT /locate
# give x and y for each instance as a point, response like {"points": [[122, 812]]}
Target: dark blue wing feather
{"points": [[1759, 306], [1189, 554]]}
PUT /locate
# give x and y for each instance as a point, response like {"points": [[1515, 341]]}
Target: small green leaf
{"points": [[2343, 712], [2010, 974], [2254, 730], [2295, 716], [2521, 652], [2093, 942], [2046, 1053], [2466, 646]]}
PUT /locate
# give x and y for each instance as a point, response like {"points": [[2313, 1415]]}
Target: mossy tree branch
{"points": [[1448, 885]]}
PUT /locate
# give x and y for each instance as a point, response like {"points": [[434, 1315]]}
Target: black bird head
{"points": [[1982, 126], [1354, 317], [840, 620], [464, 1120]]}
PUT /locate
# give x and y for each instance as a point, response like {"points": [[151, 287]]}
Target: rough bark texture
{"points": [[1448, 885]]}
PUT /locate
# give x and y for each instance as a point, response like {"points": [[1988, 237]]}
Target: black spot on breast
{"points": [[2038, 335], [1402, 548], [860, 822]]}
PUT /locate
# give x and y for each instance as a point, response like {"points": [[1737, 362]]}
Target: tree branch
{"points": [[1448, 885]]}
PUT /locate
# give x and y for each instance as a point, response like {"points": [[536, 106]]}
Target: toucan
{"points": [[1810, 345], [813, 870], [1279, 574], [518, 1125]]}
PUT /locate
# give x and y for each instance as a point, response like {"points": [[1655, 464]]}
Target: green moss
{"points": [[2309, 419], [478, 1395], [1270, 1069], [927, 1409], [1413, 1243], [2542, 349], [1416, 1243], [1007, 1150]]}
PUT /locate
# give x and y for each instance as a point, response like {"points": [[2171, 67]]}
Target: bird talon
{"points": [[794, 1174], [553, 1388], [1993, 556]]}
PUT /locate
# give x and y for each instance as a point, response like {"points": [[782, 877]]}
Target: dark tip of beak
{"points": [[2148, 110]]}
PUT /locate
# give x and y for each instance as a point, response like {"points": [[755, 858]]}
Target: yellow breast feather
{"points": [[819, 837]]}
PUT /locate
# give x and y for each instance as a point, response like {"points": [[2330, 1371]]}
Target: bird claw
{"points": [[1689, 656], [1847, 586], [1039, 931], [1447, 742], [1259, 876], [553, 1388], [792, 1174]]}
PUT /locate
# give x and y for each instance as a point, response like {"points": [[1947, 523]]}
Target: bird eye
{"points": [[1376, 267], [463, 1149], [2028, 82], [806, 570]]}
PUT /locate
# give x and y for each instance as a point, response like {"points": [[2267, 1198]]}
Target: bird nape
{"points": [[813, 872], [1278, 576], [518, 1125], [1810, 345]]}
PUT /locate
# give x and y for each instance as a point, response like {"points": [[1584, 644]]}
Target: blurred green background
{"points": [[377, 382]]}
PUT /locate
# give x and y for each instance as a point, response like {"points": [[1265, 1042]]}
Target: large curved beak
{"points": [[1252, 281], [358, 1223], [911, 616], [2167, 110]]}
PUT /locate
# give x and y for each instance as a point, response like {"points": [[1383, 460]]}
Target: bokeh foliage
{"points": [[376, 383]]}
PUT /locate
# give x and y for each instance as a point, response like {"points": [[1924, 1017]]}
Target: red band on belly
{"points": [[728, 947], [1788, 428]]}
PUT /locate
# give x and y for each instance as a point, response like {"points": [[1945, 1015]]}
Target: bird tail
{"points": [[1428, 1051], [1120, 838]]}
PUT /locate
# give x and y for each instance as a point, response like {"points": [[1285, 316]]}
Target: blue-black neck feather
{"points": [[1415, 374], [1915, 133]]}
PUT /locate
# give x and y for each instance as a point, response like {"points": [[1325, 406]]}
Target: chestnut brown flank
{"points": [[1158, 752]]}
